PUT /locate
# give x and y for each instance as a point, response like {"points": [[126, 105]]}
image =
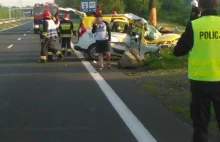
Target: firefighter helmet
{"points": [[47, 14]]}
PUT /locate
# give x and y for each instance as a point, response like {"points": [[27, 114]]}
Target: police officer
{"points": [[49, 38], [65, 29], [195, 12], [201, 40]]}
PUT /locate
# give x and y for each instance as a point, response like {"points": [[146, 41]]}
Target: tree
{"points": [[118, 5]]}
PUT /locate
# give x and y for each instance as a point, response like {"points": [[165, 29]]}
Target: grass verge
{"points": [[165, 78], [12, 24]]}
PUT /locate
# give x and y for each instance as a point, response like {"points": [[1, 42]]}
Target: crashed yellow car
{"points": [[127, 31]]}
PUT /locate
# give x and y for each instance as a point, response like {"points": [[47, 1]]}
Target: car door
{"points": [[135, 36], [120, 37]]}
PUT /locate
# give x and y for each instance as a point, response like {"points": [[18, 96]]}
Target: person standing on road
{"points": [[49, 38], [202, 44], [65, 29], [195, 13], [102, 33]]}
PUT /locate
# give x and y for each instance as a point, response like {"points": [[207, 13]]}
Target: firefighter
{"points": [[49, 36], [65, 29], [201, 41], [49, 53]]}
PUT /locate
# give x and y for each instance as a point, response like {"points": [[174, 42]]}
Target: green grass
{"points": [[12, 24], [4, 14], [171, 88], [165, 60], [76, 23]]}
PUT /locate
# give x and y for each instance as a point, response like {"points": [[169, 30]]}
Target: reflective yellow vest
{"points": [[204, 58]]}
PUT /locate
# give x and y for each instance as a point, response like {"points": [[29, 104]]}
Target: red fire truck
{"points": [[38, 13]]}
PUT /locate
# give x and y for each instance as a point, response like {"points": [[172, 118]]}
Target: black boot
{"points": [[59, 55]]}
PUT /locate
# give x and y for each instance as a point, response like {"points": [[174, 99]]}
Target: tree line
{"points": [[168, 10]]}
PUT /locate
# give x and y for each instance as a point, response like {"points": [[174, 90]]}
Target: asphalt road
{"points": [[69, 102]]}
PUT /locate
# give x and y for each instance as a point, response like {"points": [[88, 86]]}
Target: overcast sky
{"points": [[23, 2]]}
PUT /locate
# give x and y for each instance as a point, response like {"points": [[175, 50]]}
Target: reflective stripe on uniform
{"points": [[65, 27], [65, 35], [49, 53], [43, 57], [69, 50], [63, 49], [41, 27], [45, 34], [58, 53]]}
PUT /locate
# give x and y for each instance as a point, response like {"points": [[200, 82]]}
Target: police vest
{"points": [[204, 58], [52, 29]]}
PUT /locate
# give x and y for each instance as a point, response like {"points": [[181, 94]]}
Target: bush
{"points": [[4, 13], [165, 60]]}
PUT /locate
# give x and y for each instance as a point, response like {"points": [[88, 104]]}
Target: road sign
{"points": [[88, 5]]}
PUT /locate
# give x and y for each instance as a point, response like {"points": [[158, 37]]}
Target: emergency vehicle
{"points": [[38, 13]]}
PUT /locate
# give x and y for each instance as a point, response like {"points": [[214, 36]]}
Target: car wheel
{"points": [[93, 55]]}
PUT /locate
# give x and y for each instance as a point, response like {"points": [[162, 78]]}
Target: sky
{"points": [[21, 2]]}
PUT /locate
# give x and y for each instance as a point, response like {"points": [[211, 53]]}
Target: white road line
{"points": [[24, 34], [10, 46], [19, 39], [135, 126], [14, 26]]}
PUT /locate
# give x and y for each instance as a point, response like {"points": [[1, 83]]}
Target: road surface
{"points": [[70, 102]]}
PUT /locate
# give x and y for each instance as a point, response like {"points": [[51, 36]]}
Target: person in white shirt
{"points": [[102, 33]]}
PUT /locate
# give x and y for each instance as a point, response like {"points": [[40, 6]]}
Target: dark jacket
{"points": [[94, 29], [195, 13], [185, 44], [67, 31]]}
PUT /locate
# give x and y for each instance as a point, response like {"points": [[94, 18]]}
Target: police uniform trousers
{"points": [[203, 95]]}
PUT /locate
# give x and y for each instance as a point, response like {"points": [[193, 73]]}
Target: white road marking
{"points": [[135, 126], [10, 46], [24, 34], [19, 39], [14, 26]]}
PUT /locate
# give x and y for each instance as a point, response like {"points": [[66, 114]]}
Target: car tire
{"points": [[92, 54]]}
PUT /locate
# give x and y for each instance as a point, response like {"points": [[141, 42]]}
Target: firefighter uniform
{"points": [[49, 35], [49, 54], [202, 44], [66, 28]]}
